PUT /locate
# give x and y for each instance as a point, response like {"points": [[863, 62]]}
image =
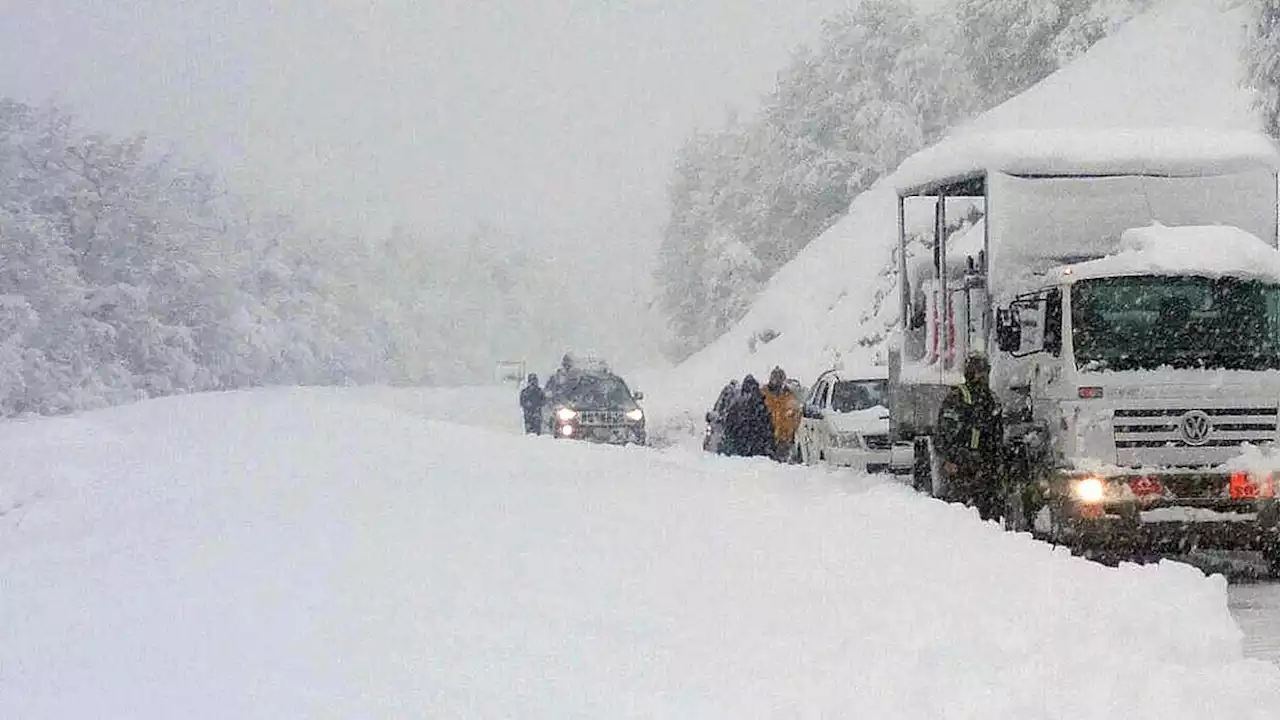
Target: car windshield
{"points": [[595, 391], [851, 395], [1143, 323]]}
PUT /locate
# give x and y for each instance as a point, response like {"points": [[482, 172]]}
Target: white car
{"points": [[846, 423]]}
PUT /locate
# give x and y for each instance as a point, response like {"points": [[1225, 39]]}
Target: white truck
{"points": [[1125, 286]]}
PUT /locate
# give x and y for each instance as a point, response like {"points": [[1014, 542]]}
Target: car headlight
{"points": [[566, 414], [1090, 490], [635, 415], [566, 430]]}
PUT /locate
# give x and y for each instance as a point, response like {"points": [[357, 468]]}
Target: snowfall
{"points": [[408, 553]]}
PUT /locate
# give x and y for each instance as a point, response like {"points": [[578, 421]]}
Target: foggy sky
{"points": [[555, 119]]}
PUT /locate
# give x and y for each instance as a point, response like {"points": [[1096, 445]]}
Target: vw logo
{"points": [[1195, 427]]}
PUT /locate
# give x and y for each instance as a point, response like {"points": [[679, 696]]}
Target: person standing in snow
{"points": [[531, 400], [748, 427], [784, 408], [969, 439]]}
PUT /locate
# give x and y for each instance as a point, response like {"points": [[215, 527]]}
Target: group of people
{"points": [[968, 440], [762, 421]]}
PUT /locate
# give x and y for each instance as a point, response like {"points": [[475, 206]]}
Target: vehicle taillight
{"points": [[1089, 393], [1245, 486], [1146, 487]]}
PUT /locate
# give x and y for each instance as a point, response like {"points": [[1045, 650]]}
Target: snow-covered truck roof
{"points": [[1204, 251], [1160, 152]]}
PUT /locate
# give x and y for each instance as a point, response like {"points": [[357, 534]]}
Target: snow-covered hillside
{"points": [[284, 554], [1177, 66]]}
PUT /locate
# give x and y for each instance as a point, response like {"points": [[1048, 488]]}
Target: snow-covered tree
{"points": [[1263, 62], [884, 81]]}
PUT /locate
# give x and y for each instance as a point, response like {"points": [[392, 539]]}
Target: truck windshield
{"points": [[851, 395], [1144, 323]]}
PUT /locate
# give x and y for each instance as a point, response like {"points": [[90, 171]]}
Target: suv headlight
{"points": [[635, 415], [566, 414], [1090, 490]]}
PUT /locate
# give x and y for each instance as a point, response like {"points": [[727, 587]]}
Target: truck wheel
{"points": [[922, 466], [1272, 555]]}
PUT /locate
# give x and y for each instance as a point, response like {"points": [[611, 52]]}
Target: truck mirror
{"points": [[637, 395], [1008, 330]]}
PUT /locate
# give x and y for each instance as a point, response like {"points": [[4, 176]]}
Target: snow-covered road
{"points": [[1256, 608], [1254, 605], [331, 554]]}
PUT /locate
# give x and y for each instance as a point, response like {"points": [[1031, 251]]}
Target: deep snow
{"points": [[319, 553]]}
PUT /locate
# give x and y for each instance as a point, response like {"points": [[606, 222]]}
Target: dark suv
{"points": [[593, 405]]}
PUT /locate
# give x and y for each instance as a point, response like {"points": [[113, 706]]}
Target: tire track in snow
{"points": [[1256, 608]]}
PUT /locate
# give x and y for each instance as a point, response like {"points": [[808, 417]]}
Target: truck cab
{"points": [[1126, 287]]}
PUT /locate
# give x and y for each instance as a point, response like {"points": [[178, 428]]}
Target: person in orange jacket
{"points": [[785, 408]]}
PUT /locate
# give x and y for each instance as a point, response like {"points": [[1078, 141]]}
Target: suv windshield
{"points": [[595, 391], [1143, 323], [850, 395]]}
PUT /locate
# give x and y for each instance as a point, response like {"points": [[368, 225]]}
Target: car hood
{"points": [[585, 407], [869, 421]]}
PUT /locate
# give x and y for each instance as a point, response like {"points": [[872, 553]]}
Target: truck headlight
{"points": [[1090, 490], [566, 414], [566, 430], [635, 415]]}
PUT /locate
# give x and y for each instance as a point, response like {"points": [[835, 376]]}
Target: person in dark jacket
{"points": [[969, 438], [531, 399], [748, 426]]}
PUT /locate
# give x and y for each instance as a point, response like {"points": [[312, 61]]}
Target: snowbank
{"points": [[315, 554]]}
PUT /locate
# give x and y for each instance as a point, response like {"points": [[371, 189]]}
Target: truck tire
{"points": [[1271, 553], [924, 468]]}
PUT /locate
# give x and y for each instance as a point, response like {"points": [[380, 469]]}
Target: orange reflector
{"points": [[1091, 512], [1247, 487], [1089, 393]]}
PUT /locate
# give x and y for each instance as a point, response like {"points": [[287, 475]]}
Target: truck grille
{"points": [[1193, 427], [602, 417]]}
